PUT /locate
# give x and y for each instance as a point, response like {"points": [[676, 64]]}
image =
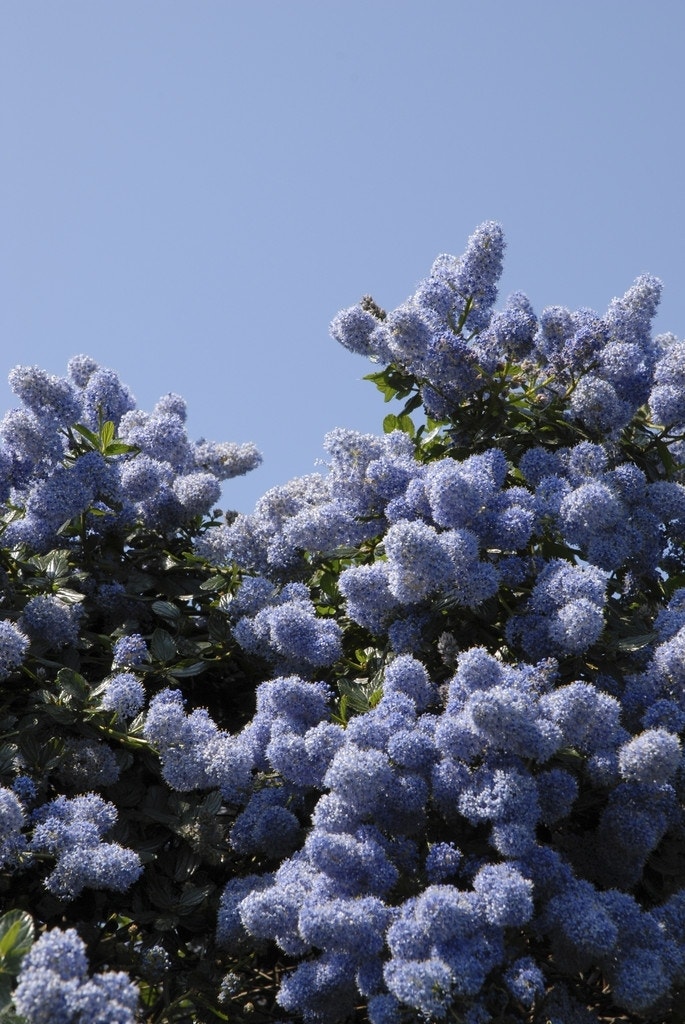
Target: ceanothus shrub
{"points": [[404, 743]]}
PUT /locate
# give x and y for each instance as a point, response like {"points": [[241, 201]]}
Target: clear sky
{"points": [[191, 190]]}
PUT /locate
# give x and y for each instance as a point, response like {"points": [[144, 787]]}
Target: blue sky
{"points": [[190, 191]]}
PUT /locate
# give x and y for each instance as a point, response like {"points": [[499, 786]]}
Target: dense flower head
{"points": [[370, 602], [442, 862], [54, 987], [555, 329], [226, 459], [507, 896], [354, 926], [25, 788], [101, 866], [459, 492], [525, 981], [230, 931], [90, 815], [80, 368], [124, 693], [12, 819], [597, 405], [629, 318], [47, 396], [105, 398], [362, 777], [667, 398], [60, 497], [183, 741], [290, 633], [510, 721], [565, 612], [197, 492], [72, 830], [266, 825], [32, 448], [13, 647], [476, 273], [49, 620], [142, 477], [511, 331], [88, 764], [424, 984], [417, 561], [428, 334], [131, 650], [321, 989], [354, 328], [407, 675], [653, 756]]}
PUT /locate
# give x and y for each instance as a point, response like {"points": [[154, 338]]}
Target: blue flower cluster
{"points": [[49, 620], [72, 831], [151, 472], [484, 761], [130, 651], [464, 819], [429, 333], [284, 628], [12, 819], [54, 986], [457, 788], [123, 693], [13, 647]]}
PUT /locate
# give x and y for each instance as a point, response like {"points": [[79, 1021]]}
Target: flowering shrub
{"points": [[405, 743]]}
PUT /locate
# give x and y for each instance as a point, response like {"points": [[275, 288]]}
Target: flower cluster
{"points": [[286, 630], [72, 831], [54, 985], [404, 743], [60, 458], [484, 801], [13, 647]]}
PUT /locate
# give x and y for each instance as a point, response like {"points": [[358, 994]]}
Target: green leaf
{"points": [[166, 610], [62, 714], [17, 933], [186, 671], [213, 583], [192, 896], [121, 448], [219, 628], [162, 646], [107, 434], [356, 696], [69, 596], [342, 709], [8, 753], [390, 423], [636, 643], [382, 382], [72, 684], [376, 378], [54, 565], [160, 893], [375, 696], [406, 425], [415, 402], [138, 581], [212, 803], [88, 434], [6, 1014]]}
